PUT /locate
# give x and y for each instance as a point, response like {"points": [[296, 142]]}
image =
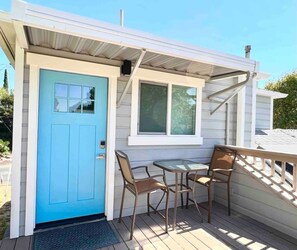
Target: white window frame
{"points": [[150, 76]]}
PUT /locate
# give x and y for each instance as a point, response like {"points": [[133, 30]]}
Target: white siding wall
{"points": [[213, 132], [263, 112], [251, 198]]}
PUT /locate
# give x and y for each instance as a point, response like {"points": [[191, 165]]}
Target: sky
{"points": [[269, 26]]}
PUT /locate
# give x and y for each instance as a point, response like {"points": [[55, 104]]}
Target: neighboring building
{"points": [[73, 108], [279, 140], [264, 108]]}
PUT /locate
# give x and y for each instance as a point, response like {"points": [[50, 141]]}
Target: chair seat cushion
{"points": [[147, 186], [205, 179]]}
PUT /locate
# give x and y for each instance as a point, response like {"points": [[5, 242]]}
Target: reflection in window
{"points": [[74, 98], [153, 108], [183, 112], [60, 105], [74, 106]]}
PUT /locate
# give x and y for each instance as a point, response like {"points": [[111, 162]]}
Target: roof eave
{"points": [[272, 94], [58, 21]]}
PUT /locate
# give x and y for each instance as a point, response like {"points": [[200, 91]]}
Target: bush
{"points": [[4, 149]]}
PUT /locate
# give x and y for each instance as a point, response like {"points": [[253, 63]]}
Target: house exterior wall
{"points": [[263, 112], [213, 131], [253, 199]]}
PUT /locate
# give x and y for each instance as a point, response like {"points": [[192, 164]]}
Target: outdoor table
{"points": [[180, 166]]}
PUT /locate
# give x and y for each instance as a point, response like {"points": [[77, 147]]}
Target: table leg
{"points": [[181, 188], [175, 200]]}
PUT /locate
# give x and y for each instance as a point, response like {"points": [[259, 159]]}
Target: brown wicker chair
{"points": [[141, 186], [220, 170]]}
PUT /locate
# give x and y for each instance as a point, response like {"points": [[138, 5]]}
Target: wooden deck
{"points": [[234, 232]]}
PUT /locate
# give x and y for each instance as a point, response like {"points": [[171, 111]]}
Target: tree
{"points": [[6, 115], [285, 110], [5, 80]]}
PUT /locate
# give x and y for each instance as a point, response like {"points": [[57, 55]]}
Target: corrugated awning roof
{"points": [[78, 45], [44, 30]]}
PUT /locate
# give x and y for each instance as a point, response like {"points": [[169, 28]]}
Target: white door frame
{"points": [[37, 62]]}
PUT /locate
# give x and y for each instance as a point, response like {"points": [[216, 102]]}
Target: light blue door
{"points": [[71, 134]]}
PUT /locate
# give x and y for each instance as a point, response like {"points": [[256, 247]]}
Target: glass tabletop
{"points": [[180, 165]]}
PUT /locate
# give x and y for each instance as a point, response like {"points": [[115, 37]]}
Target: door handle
{"points": [[100, 157]]}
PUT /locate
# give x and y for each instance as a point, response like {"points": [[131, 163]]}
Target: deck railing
{"points": [[273, 166]]}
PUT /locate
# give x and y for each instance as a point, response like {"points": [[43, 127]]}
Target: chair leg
{"points": [[166, 210], [122, 204], [209, 203], [134, 217], [229, 208], [148, 204]]}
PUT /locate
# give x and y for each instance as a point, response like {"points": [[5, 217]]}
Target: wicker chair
{"points": [[141, 186], [220, 170]]}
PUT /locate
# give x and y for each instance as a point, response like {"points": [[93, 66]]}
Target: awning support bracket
{"points": [[135, 68], [236, 88]]}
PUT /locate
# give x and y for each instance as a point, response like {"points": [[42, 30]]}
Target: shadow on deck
{"points": [[224, 232]]}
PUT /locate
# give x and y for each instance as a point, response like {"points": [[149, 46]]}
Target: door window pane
{"points": [[183, 113], [60, 105], [75, 91], [61, 90], [74, 98], [74, 106], [88, 106], [89, 93], [153, 108]]}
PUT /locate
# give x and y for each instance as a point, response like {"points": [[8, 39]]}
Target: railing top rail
{"points": [[266, 154]]}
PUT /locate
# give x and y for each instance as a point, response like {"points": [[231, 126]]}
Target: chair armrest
{"points": [[146, 169], [221, 169], [149, 178]]}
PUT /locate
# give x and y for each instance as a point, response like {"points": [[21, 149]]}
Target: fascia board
{"points": [[272, 94], [58, 21]]}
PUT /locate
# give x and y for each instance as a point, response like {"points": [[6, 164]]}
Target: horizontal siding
{"points": [[263, 112], [251, 198], [212, 130]]}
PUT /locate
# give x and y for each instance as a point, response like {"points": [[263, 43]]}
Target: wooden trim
{"points": [[32, 150], [111, 137], [169, 80], [265, 154], [240, 125], [149, 140], [36, 63], [17, 142]]}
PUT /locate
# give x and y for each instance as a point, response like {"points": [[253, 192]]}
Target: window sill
{"points": [[150, 140]]}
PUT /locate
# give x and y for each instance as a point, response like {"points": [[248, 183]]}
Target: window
{"points": [[74, 98], [165, 109]]}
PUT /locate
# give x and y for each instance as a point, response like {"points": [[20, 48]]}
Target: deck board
{"points": [[224, 232]]}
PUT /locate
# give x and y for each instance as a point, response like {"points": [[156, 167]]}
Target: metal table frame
{"points": [[180, 166]]}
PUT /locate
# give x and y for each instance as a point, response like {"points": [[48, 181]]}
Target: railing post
{"points": [[295, 177], [283, 175], [263, 164], [272, 167]]}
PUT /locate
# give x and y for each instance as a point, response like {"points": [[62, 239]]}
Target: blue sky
{"points": [[270, 26]]}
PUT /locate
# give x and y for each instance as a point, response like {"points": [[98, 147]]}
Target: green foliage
{"points": [[285, 110], [6, 115], [5, 81], [4, 149]]}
